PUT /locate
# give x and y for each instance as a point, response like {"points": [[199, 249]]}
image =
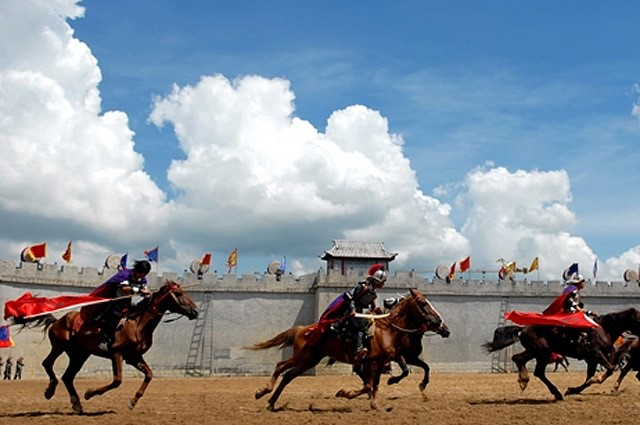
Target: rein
{"points": [[154, 301], [409, 331]]}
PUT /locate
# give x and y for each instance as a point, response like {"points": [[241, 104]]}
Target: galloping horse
{"points": [[133, 339], [408, 353], [540, 341], [413, 311]]}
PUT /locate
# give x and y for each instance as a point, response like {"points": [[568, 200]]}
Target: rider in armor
{"points": [[572, 302], [362, 297], [121, 285]]}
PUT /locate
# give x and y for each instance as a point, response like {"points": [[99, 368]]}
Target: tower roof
{"points": [[358, 249]]}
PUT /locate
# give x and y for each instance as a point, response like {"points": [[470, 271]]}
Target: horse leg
{"points": [[375, 384], [47, 364], [304, 364], [591, 378], [280, 368], [405, 371], [521, 359], [540, 373], [143, 367], [623, 373], [75, 364], [116, 367], [425, 367]]}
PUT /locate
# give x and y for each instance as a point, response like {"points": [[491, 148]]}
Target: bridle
{"points": [[425, 327]]}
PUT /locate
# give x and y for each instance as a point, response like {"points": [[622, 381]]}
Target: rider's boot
{"points": [[361, 350]]}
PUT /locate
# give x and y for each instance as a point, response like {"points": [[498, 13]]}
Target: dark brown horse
{"points": [[594, 346], [80, 341], [412, 312]]}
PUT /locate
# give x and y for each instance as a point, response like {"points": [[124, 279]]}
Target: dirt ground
{"points": [[450, 399]]}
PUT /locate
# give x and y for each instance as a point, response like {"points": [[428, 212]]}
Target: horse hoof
{"points": [[422, 387], [393, 380], [260, 393], [87, 395], [341, 393], [131, 404], [49, 393], [77, 408]]}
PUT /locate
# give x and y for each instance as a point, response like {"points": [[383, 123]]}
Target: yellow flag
{"points": [[534, 265], [232, 261]]}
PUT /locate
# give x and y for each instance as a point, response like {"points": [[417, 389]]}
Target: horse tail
{"points": [[282, 340], [503, 336], [43, 322]]}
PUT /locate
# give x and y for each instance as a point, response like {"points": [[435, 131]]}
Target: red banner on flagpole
{"points": [[28, 306]]}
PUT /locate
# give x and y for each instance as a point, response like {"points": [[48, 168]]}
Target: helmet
{"points": [[378, 273], [575, 278]]}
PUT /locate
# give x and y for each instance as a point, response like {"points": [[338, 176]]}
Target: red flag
{"points": [[206, 260], [465, 264], [66, 255], [29, 306], [452, 272], [34, 253]]}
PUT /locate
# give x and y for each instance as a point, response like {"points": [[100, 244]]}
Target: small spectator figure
{"points": [[19, 366], [7, 368], [1, 362]]}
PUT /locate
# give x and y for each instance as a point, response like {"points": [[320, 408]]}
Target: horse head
{"points": [[618, 322], [170, 297], [427, 314]]}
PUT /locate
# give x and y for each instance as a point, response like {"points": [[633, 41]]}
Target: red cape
{"points": [[28, 306], [571, 320]]}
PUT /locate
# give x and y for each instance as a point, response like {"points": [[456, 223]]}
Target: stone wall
{"points": [[250, 308]]}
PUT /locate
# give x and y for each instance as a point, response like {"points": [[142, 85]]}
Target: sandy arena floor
{"points": [[449, 399]]}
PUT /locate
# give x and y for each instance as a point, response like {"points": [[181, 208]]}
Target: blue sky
{"points": [[496, 129]]}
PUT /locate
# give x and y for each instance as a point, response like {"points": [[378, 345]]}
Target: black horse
{"points": [[594, 346]]}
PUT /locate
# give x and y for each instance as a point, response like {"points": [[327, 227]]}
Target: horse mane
{"points": [[146, 302], [619, 319]]}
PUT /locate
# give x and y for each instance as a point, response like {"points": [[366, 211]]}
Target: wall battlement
{"points": [[90, 277]]}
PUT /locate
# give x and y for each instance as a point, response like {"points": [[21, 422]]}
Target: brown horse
{"points": [[595, 346], [408, 353], [80, 341], [412, 312], [627, 357]]}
